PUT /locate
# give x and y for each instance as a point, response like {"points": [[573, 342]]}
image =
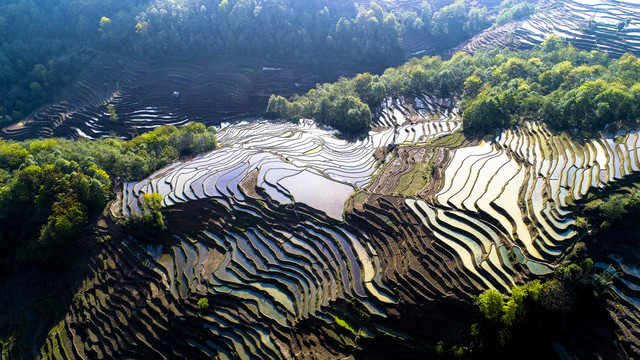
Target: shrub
{"points": [[614, 207], [150, 219], [491, 304], [203, 303]]}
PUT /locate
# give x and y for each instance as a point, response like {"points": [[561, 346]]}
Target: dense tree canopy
{"points": [[46, 44], [338, 105], [456, 22], [514, 9], [51, 189], [534, 313], [553, 83]]}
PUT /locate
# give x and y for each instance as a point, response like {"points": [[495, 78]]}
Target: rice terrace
{"points": [[320, 179]]}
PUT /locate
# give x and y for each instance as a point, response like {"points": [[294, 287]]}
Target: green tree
{"points": [[516, 308], [472, 86], [68, 218], [354, 114], [515, 12], [105, 24], [142, 27], [203, 303], [477, 20], [360, 84], [113, 116], [491, 304], [277, 107], [614, 207], [224, 6], [483, 114], [448, 23]]}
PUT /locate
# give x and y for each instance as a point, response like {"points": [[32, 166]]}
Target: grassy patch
{"points": [[343, 324], [387, 221], [414, 181], [391, 333], [593, 204], [449, 141], [359, 198]]}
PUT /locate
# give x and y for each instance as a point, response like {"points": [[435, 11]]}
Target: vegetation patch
{"points": [[454, 140], [552, 83], [534, 313], [40, 66], [416, 180], [203, 303], [51, 190]]}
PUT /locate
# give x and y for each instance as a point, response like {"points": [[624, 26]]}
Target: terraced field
{"points": [[514, 194], [606, 25], [287, 163], [281, 273], [149, 94], [619, 261], [306, 245], [501, 208], [589, 25], [286, 254], [398, 111], [284, 224]]}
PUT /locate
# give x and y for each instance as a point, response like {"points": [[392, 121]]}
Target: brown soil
{"points": [[405, 160]]}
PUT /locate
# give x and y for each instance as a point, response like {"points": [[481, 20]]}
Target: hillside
{"points": [[609, 25], [204, 194], [285, 273]]}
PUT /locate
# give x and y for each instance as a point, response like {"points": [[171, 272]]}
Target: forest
{"points": [[52, 189], [553, 83], [66, 36]]}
